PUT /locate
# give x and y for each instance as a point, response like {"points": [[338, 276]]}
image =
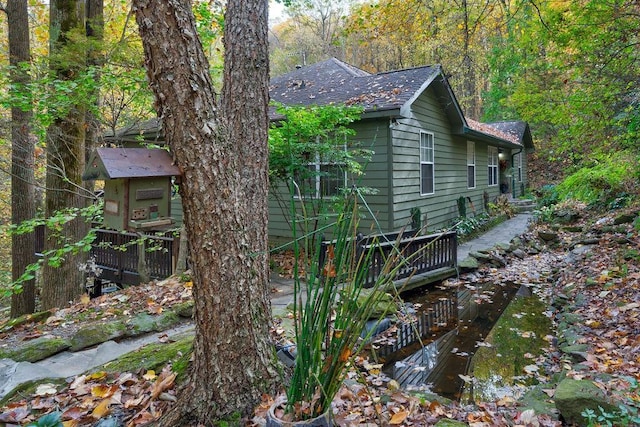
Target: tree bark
{"points": [[222, 153], [65, 162], [22, 160]]}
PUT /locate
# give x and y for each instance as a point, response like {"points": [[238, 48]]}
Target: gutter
{"points": [[489, 139]]}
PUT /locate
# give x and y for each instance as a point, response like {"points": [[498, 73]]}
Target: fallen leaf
{"points": [[398, 418], [101, 410], [47, 389], [150, 375]]}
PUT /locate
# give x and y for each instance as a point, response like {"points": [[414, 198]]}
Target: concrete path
{"points": [[68, 364]]}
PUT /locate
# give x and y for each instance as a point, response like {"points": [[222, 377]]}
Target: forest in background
{"points": [[569, 68]]}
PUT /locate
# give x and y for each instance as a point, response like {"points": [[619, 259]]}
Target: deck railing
{"points": [[426, 253], [117, 254]]}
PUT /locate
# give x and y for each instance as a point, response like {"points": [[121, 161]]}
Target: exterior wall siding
{"points": [[370, 135], [439, 210]]}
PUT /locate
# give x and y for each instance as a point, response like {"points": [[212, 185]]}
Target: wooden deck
{"points": [[436, 259]]}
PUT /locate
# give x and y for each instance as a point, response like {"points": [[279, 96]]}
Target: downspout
{"points": [[513, 174]]}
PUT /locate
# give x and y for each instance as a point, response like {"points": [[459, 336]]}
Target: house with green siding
{"points": [[426, 154]]}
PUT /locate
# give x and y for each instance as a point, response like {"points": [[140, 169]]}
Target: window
{"points": [[426, 163], [471, 164], [492, 162], [321, 179], [518, 161]]}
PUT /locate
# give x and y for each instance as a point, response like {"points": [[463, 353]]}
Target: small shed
{"points": [[137, 188]]}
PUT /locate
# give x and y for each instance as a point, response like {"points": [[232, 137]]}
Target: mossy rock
{"points": [[24, 319], [184, 309], [97, 333], [167, 320], [573, 397], [37, 349], [154, 356], [468, 264], [142, 323], [385, 306], [538, 401]]}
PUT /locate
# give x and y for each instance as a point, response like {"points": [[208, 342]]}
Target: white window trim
{"points": [[519, 166], [492, 156], [471, 161], [317, 166], [427, 162]]}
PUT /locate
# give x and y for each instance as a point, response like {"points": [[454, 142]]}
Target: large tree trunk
{"points": [[222, 154], [22, 159], [65, 162]]}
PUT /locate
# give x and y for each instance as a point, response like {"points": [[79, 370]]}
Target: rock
{"points": [[624, 219], [566, 216], [538, 401], [468, 264], [482, 257], [573, 397], [24, 319], [37, 349], [93, 334], [166, 320], [184, 309], [142, 323], [519, 253], [547, 236], [572, 228], [497, 260], [578, 352], [385, 306]]}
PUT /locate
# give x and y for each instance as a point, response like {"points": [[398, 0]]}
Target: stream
{"points": [[451, 327]]}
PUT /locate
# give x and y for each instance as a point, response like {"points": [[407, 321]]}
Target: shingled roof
{"points": [[387, 94], [517, 130], [335, 82]]}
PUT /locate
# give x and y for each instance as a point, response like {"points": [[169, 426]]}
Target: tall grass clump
{"points": [[331, 309], [608, 178]]}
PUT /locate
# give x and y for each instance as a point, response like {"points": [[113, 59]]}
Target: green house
{"points": [[137, 187]]}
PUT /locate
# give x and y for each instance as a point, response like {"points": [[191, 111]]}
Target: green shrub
{"points": [[608, 178], [548, 196]]}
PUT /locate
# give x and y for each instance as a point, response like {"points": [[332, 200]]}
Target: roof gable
{"points": [[516, 130]]}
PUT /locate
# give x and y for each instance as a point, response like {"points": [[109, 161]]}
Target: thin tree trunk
{"points": [[222, 154], [22, 160]]}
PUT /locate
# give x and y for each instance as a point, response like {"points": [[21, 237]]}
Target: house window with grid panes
{"points": [[492, 162], [471, 164], [321, 179], [427, 167]]}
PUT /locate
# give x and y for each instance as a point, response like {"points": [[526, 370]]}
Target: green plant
{"points": [[544, 214], [462, 207], [467, 226], [330, 312], [52, 419], [624, 416], [608, 178], [548, 196], [502, 206]]}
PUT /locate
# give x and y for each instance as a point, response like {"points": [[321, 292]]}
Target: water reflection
{"points": [[438, 359]]}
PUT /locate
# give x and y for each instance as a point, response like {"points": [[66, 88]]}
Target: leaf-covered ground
{"points": [[601, 285]]}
